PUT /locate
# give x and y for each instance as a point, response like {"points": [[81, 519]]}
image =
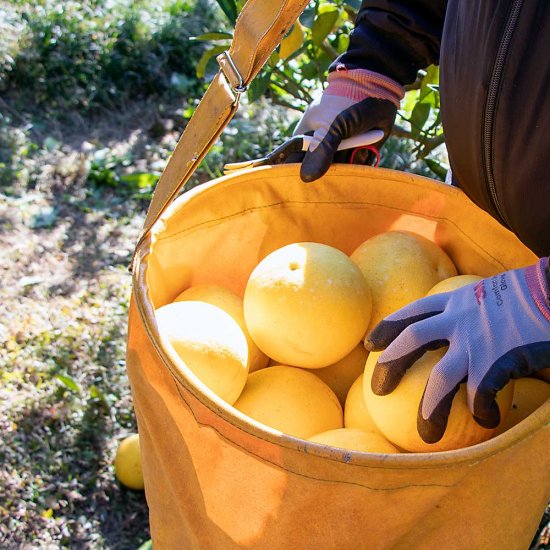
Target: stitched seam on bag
{"points": [[339, 204], [463, 463], [278, 466], [414, 183]]}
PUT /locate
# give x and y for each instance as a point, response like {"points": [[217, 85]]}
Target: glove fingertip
{"points": [[490, 419], [314, 166], [371, 344], [384, 380], [432, 429], [382, 335], [308, 177]]}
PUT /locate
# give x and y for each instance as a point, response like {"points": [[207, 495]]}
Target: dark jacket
{"points": [[494, 58]]}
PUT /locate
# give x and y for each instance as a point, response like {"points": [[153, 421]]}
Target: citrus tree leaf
{"points": [[230, 8], [206, 57], [209, 36], [437, 168], [327, 16], [141, 180], [258, 86], [69, 382], [419, 116]]}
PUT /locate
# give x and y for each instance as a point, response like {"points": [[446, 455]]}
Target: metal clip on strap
{"points": [[232, 74]]}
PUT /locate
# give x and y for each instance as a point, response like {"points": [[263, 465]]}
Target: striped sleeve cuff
{"points": [[359, 84]]}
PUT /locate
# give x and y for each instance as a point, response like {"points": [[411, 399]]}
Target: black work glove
{"points": [[354, 102]]}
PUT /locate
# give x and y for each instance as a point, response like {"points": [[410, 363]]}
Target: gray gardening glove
{"points": [[496, 329], [354, 102]]}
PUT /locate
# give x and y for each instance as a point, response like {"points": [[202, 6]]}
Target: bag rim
{"points": [[540, 419]]}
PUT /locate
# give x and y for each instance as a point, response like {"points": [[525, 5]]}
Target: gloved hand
{"points": [[496, 329], [354, 102]]}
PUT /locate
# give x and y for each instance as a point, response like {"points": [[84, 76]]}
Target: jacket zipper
{"points": [[490, 105]]}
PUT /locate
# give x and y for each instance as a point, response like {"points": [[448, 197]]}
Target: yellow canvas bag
{"points": [[215, 479]]}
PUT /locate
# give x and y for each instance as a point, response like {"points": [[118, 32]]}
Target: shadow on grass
{"points": [[58, 479]]}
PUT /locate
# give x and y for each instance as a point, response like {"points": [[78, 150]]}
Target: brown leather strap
{"points": [[260, 27]]}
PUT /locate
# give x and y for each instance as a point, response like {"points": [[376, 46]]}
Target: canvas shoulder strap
{"points": [[260, 27]]}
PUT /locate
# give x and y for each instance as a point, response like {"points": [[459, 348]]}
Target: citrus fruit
{"points": [[400, 267], [356, 414], [395, 414], [341, 375], [355, 440], [128, 463], [307, 305], [529, 395], [232, 304], [291, 400], [452, 283], [210, 343]]}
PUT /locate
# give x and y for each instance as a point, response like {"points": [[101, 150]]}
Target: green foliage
{"points": [[105, 171], [298, 68], [87, 55]]}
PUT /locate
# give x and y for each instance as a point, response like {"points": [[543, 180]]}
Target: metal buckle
{"points": [[233, 76]]}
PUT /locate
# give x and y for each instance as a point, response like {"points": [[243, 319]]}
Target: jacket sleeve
{"points": [[395, 37]]}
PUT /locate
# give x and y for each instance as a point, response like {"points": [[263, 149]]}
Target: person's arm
{"points": [[391, 41], [395, 38]]}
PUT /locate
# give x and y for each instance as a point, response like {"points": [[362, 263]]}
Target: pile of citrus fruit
{"points": [[289, 353]]}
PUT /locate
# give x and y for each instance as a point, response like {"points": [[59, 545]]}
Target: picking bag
{"points": [[216, 479]]}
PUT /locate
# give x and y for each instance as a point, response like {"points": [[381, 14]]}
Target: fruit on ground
{"points": [[452, 283], [400, 267], [128, 463], [355, 440], [291, 400], [210, 343], [232, 304], [307, 305], [395, 414], [529, 395], [356, 414], [341, 375]]}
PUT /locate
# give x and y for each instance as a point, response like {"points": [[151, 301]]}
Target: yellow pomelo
{"points": [[395, 414], [128, 463], [356, 414], [355, 440], [529, 395], [400, 267], [210, 343], [232, 304], [341, 375], [452, 283], [292, 42], [291, 400], [307, 305]]}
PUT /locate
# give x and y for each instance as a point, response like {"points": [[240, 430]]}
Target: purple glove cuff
{"points": [[538, 285]]}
